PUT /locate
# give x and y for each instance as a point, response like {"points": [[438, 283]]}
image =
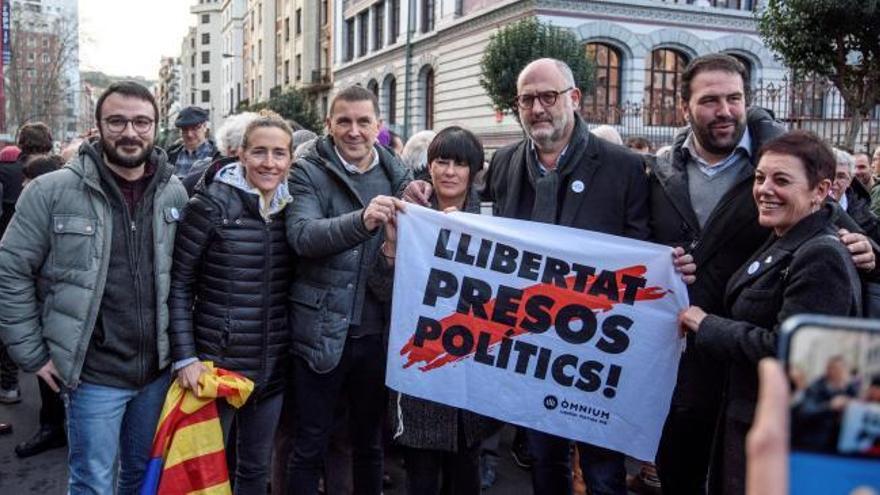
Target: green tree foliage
{"points": [[293, 105], [835, 39], [514, 46]]}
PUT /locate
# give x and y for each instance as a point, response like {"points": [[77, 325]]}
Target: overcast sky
{"points": [[128, 37]]}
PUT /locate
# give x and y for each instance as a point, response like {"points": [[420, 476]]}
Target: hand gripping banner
{"points": [[561, 330]]}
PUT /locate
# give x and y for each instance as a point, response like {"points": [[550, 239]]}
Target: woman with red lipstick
{"points": [[802, 268], [441, 443]]}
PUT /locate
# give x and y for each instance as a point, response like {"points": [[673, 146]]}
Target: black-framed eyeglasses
{"points": [[548, 98], [117, 124]]}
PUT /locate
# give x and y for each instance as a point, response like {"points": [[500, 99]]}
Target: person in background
{"points": [[607, 133], [639, 144], [396, 143], [852, 197], [194, 144], [231, 258], [817, 416], [50, 434], [228, 143], [789, 275], [415, 154], [441, 443], [865, 174]]}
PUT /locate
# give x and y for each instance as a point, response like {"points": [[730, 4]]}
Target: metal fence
{"points": [[814, 105]]}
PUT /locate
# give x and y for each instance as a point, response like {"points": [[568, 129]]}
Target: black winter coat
{"points": [[229, 285], [730, 235]]}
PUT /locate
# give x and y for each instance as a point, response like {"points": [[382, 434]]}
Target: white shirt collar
{"points": [[354, 169]]}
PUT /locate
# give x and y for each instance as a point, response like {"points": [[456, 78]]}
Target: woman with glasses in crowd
{"points": [[802, 268], [228, 301], [441, 443]]}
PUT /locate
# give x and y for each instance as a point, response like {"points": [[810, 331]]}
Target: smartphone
{"points": [[833, 365]]}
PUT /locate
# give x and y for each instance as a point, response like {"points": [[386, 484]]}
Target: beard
{"points": [[544, 138], [718, 146], [127, 161]]}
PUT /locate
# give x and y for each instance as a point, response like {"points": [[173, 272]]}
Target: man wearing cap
{"points": [[84, 279], [194, 144]]}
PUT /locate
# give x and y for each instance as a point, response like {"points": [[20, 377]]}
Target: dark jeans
{"points": [[255, 424], [458, 473], [604, 470], [51, 407], [685, 450], [8, 370], [358, 379]]}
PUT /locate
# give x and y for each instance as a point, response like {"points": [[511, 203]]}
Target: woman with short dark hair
{"points": [[802, 268], [441, 443]]}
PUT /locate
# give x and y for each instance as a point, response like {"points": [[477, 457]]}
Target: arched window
{"points": [[427, 83], [373, 87], [389, 89], [603, 103], [663, 87]]}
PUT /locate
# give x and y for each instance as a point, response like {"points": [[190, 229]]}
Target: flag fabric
{"points": [[188, 455]]}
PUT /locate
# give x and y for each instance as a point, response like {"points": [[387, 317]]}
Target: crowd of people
{"points": [[271, 253]]}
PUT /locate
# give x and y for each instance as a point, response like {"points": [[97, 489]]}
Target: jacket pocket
{"points": [[73, 241], [307, 312]]}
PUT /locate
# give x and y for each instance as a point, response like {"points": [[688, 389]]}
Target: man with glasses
{"points": [[562, 175], [84, 279], [194, 144]]}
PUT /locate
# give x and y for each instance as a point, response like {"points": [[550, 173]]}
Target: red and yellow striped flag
{"points": [[188, 455]]}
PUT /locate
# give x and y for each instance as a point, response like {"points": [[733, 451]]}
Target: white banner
{"points": [[561, 330]]}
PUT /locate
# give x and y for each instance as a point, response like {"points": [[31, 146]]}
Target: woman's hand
{"points": [[188, 376], [418, 192], [690, 319], [684, 265]]}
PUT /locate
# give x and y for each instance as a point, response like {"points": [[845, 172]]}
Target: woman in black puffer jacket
{"points": [[228, 299]]}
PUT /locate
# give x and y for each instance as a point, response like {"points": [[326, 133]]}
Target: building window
{"points": [[299, 68], [206, 18], [287, 72], [603, 104], [206, 96], [734, 4], [363, 20], [299, 21], [287, 29], [192, 42], [427, 16], [394, 28], [663, 88], [373, 87], [389, 86], [206, 38], [206, 76], [349, 39], [324, 11], [379, 25], [428, 87], [206, 57], [259, 49]]}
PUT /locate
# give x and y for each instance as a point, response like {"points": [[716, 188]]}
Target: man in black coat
{"points": [[562, 175]]}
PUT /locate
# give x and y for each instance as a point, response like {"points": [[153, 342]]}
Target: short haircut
{"points": [[459, 144], [876, 154], [302, 136], [415, 151], [268, 118], [845, 159], [638, 142], [561, 66], [818, 160], [353, 94], [41, 164], [130, 89], [231, 131], [708, 63], [862, 153], [35, 138]]}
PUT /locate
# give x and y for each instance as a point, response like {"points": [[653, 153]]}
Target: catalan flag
{"points": [[188, 455]]}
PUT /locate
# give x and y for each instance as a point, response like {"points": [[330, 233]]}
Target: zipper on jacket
{"points": [[135, 269], [267, 280]]}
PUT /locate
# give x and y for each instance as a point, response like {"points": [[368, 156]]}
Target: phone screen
{"points": [[835, 410]]}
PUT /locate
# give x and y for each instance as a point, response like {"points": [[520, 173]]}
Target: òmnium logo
{"points": [[551, 402]]}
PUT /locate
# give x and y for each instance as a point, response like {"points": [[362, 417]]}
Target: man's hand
{"points": [[839, 403], [381, 210], [418, 192], [49, 374], [860, 248], [684, 265], [767, 441], [188, 376]]}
